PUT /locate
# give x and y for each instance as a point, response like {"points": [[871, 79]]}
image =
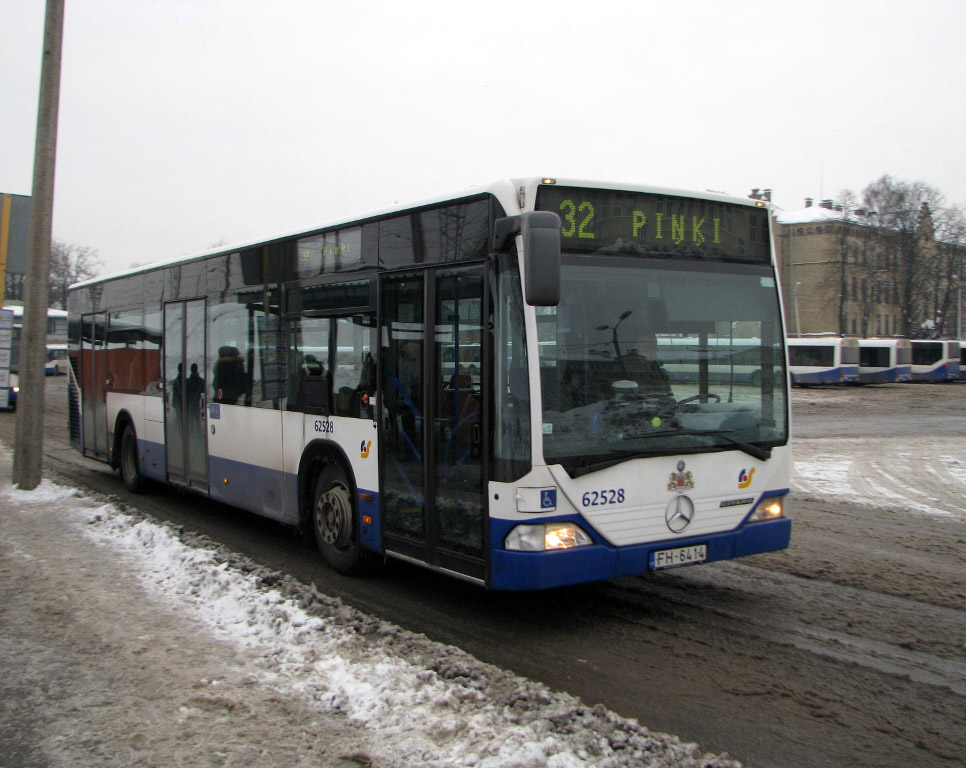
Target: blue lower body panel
{"points": [[844, 375], [542, 570]]}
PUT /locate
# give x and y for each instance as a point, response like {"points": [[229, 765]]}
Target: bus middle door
{"points": [[186, 444]]}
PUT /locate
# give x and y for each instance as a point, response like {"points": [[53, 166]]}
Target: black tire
{"points": [[334, 521], [130, 474]]}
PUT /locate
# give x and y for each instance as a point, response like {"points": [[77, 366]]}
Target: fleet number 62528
{"points": [[603, 498]]}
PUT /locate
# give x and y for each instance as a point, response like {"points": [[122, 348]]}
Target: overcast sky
{"points": [[187, 123]]}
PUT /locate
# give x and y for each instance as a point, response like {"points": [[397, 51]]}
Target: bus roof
{"points": [[515, 195], [822, 341], [18, 311], [884, 343]]}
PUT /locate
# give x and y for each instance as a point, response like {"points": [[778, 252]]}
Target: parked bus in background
{"points": [[470, 384], [962, 361], [731, 359], [57, 361], [56, 335], [935, 360], [823, 360], [883, 361]]}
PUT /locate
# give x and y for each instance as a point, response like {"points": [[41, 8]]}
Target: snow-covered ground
{"points": [[921, 475], [237, 665]]}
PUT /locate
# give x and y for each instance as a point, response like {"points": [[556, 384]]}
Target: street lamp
{"points": [[798, 319], [616, 343]]}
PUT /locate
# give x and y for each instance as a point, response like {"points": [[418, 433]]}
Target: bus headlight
{"points": [[769, 509], [540, 538]]}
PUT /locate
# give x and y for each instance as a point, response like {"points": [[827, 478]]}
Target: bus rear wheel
{"points": [[334, 521], [130, 473]]}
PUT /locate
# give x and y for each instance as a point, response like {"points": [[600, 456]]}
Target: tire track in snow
{"points": [[918, 475]]}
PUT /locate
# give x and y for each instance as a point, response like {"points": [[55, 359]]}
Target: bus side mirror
{"points": [[541, 253]]}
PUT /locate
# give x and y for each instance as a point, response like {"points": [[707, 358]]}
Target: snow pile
{"points": [[420, 703]]}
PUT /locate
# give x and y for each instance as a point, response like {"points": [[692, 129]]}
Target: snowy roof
{"points": [[810, 215], [18, 311]]}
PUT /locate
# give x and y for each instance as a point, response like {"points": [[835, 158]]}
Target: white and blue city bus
{"points": [[935, 360], [823, 360], [884, 361], [471, 383]]}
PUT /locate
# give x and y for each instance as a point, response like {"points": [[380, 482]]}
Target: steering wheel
{"points": [[717, 398]]}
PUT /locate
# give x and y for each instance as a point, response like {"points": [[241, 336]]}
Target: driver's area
{"points": [[638, 362]]}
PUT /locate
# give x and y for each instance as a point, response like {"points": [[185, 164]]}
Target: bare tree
{"points": [[69, 263], [949, 271], [905, 244]]}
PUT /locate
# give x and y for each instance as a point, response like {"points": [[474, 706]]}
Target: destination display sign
{"points": [[669, 226], [329, 252]]}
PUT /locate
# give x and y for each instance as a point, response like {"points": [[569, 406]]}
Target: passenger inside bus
{"points": [[229, 382]]}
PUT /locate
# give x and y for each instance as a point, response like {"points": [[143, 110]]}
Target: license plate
{"points": [[671, 558]]}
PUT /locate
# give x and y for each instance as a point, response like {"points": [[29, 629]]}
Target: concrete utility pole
{"points": [[29, 441]]}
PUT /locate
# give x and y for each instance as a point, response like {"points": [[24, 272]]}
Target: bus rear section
{"points": [[831, 360], [935, 361], [885, 361]]}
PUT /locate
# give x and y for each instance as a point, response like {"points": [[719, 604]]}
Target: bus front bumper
{"points": [[543, 570]]}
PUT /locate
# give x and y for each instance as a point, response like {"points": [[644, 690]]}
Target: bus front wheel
{"points": [[334, 520]]}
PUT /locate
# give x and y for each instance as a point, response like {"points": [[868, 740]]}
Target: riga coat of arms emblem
{"points": [[680, 481]]}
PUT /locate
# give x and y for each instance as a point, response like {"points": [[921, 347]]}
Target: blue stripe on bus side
{"points": [[830, 376], [152, 460], [935, 374], [249, 484], [887, 376], [268, 492]]}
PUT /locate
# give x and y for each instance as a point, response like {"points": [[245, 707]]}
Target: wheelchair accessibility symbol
{"points": [[548, 498]]}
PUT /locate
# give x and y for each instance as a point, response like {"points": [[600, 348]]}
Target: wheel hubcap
{"points": [[333, 516]]}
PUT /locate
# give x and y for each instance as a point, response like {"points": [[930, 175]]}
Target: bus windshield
{"points": [[649, 357]]}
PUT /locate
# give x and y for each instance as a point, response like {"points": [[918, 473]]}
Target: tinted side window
{"points": [[125, 340], [228, 352], [309, 369], [396, 242], [354, 368], [449, 233], [456, 232]]}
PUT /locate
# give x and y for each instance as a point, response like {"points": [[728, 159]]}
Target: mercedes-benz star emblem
{"points": [[679, 513]]}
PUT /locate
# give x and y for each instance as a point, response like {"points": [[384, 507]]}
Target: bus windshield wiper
{"points": [[586, 469], [762, 454]]}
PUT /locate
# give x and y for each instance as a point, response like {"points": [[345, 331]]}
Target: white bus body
{"points": [[935, 360], [410, 384], [885, 361], [823, 360]]}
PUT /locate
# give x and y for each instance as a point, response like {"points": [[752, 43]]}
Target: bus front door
{"points": [[185, 438], [433, 499]]}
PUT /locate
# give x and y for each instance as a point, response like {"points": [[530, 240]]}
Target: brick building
{"points": [[845, 274]]}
